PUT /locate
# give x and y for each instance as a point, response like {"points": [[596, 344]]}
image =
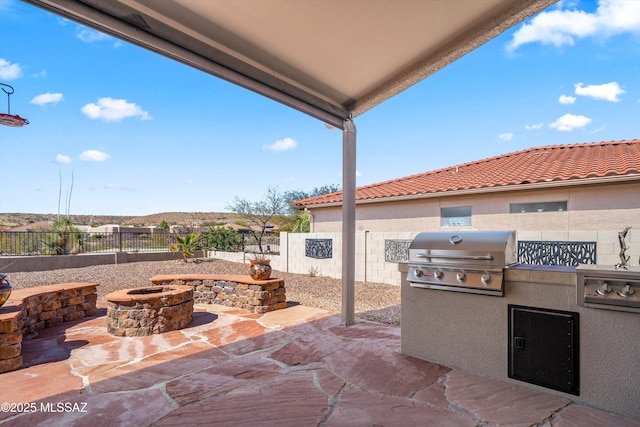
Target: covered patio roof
{"points": [[328, 58], [331, 59]]}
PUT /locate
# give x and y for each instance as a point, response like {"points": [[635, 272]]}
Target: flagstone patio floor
{"points": [[291, 367]]}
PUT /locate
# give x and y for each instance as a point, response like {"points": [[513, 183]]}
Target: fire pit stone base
{"points": [[238, 291], [150, 310]]}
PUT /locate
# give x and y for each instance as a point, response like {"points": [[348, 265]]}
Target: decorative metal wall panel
{"points": [[318, 248], [556, 253], [396, 250]]}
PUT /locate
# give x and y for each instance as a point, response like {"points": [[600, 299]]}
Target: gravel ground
{"points": [[378, 302]]}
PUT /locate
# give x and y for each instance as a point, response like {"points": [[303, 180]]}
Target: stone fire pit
{"points": [[150, 310]]}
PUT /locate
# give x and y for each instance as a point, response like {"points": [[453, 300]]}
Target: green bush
{"points": [[224, 239]]}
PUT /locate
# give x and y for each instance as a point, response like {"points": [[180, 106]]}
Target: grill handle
{"points": [[458, 257]]}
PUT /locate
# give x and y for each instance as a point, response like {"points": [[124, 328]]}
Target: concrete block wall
{"points": [[371, 265], [54, 262], [379, 270], [299, 263]]}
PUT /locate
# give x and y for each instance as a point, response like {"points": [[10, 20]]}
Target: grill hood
{"points": [[464, 247]]}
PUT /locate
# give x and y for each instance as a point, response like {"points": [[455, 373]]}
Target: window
{"points": [[455, 216], [538, 207]]}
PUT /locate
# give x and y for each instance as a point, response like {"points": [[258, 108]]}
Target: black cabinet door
{"points": [[544, 347]]}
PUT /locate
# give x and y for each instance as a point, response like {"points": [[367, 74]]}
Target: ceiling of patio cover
{"points": [[332, 59]]}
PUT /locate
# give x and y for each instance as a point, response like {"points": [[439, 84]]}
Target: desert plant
{"points": [[186, 245], [257, 215], [64, 238], [224, 239], [302, 223], [313, 271], [258, 256]]}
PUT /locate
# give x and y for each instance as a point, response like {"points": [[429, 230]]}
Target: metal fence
{"points": [[74, 242], [32, 243], [270, 243]]}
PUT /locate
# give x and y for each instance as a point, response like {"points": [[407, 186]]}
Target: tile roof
{"points": [[534, 165]]}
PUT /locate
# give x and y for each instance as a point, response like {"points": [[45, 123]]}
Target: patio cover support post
{"points": [[348, 222]]}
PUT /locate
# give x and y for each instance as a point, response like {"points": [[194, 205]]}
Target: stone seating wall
{"points": [[32, 309], [255, 296]]}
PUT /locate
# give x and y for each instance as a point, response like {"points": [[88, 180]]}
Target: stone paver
{"points": [[500, 402], [578, 416], [294, 367], [359, 408]]}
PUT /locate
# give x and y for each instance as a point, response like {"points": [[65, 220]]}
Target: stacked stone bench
{"points": [[239, 291], [32, 309]]}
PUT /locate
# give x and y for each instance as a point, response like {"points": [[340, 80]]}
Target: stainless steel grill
{"points": [[470, 261], [608, 287]]}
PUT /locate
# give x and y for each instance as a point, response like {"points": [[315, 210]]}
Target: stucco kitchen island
{"points": [[471, 332]]}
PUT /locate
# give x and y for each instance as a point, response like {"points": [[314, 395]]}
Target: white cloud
{"points": [[607, 91], [534, 127], [94, 156], [9, 71], [61, 158], [562, 27], [113, 110], [91, 36], [569, 122], [566, 99], [508, 136], [47, 98], [282, 145]]}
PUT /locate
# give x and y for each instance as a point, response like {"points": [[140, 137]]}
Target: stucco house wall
{"points": [[589, 207]]}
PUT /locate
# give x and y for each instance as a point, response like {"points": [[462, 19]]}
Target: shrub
{"points": [[224, 239]]}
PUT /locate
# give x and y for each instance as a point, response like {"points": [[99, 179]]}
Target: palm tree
{"points": [[186, 244], [302, 222]]}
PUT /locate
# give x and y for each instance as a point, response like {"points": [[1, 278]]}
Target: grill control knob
{"points": [[461, 277], [604, 289], [419, 273], [438, 274], [627, 291], [485, 279]]}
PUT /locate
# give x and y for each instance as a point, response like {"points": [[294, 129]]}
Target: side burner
{"points": [[608, 287]]}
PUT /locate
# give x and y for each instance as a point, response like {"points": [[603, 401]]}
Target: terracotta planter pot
{"points": [[5, 289], [260, 269]]}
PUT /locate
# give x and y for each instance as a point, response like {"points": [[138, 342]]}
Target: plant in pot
{"points": [[260, 268], [5, 289]]}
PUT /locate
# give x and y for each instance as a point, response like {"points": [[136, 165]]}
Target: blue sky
{"points": [[142, 134]]}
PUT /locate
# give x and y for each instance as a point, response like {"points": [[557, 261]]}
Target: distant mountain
{"points": [[183, 218], [11, 220]]}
